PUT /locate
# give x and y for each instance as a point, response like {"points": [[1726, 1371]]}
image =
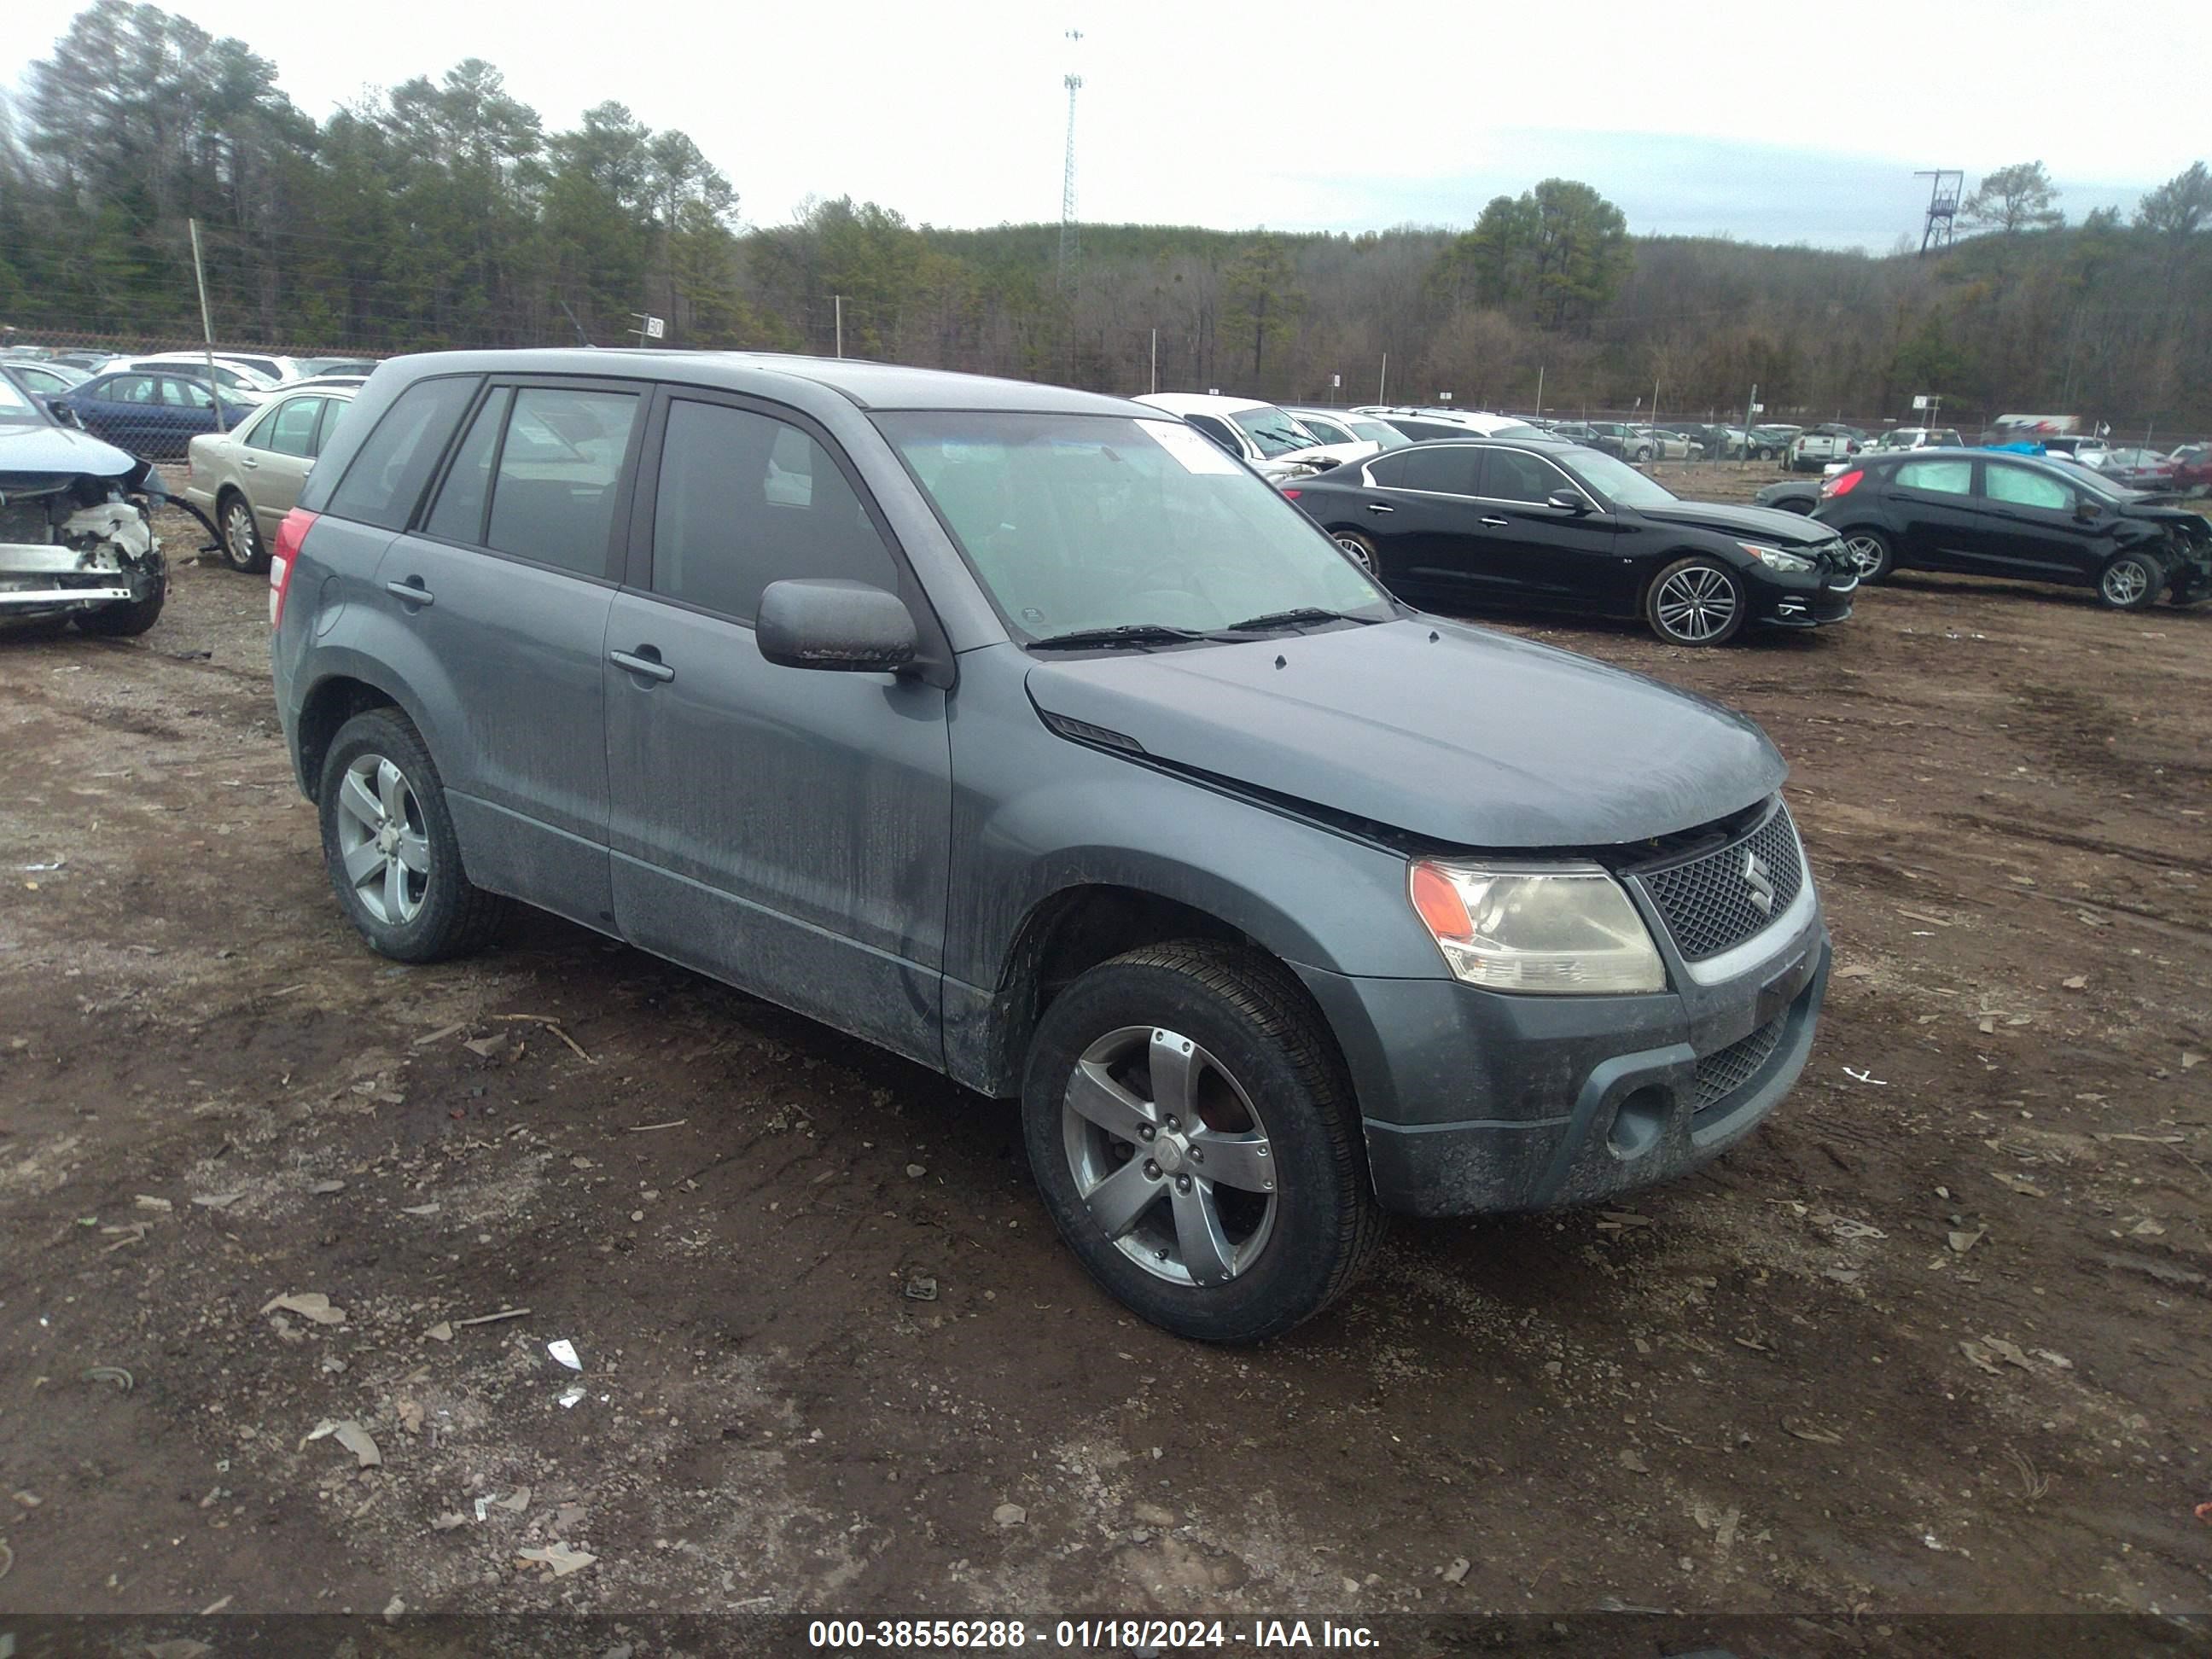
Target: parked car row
{"points": [[153, 404]]}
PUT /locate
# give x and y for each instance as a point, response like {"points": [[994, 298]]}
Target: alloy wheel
{"points": [[239, 537], [1696, 604], [2124, 583], [1352, 546], [383, 840], [1865, 553], [1169, 1155]]}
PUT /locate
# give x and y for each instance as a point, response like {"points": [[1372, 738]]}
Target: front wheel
{"points": [[2131, 581], [1195, 1140], [389, 844], [1696, 601], [127, 618], [1357, 548]]}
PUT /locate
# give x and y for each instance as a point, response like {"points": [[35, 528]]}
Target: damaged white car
{"points": [[77, 532]]}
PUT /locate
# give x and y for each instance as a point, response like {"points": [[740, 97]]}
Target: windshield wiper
{"points": [[1291, 618], [1086, 639]]}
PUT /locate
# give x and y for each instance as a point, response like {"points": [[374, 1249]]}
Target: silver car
{"points": [[245, 480]]}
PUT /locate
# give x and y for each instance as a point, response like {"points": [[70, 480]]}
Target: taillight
{"points": [[1843, 483], [1292, 495], [285, 558]]}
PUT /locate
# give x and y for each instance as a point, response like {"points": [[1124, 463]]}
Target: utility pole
{"points": [[1156, 360], [839, 300], [207, 326], [1750, 407], [1540, 391], [1383, 385]]}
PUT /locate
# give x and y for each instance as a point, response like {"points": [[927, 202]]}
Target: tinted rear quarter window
{"points": [[1451, 471], [387, 475]]}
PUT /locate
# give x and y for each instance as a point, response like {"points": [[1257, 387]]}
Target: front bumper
{"points": [[1475, 1102]]}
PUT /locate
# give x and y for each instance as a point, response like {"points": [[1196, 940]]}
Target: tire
{"points": [[130, 617], [1870, 549], [2130, 581], [418, 906], [1697, 601], [1271, 1098], [239, 535], [1359, 549], [1644, 453]]}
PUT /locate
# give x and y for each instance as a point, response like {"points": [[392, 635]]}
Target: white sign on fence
{"points": [[1920, 401]]}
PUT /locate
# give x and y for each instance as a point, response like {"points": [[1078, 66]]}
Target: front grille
{"points": [[1710, 902], [1722, 1074]]}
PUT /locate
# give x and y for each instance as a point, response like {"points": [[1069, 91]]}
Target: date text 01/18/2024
{"points": [[1093, 1635]]}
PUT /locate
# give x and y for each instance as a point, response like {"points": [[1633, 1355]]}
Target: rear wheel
{"points": [[1358, 548], [240, 535], [1196, 1142], [389, 844], [2131, 581], [1696, 601]]}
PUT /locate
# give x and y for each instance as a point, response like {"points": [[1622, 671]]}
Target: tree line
{"points": [[443, 212]]}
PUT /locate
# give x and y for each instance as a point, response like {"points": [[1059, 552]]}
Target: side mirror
{"points": [[65, 413], [1567, 500], [2085, 510], [845, 626]]}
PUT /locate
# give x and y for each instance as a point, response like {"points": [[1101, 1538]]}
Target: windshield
{"points": [[2086, 479], [1620, 482], [1074, 522], [1276, 432], [14, 405]]}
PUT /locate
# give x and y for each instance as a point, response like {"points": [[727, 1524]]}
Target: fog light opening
{"points": [[1636, 1122]]}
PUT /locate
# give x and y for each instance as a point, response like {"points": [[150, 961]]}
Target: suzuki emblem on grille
{"points": [[1755, 877]]}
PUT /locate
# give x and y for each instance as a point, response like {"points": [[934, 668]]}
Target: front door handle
{"points": [[412, 592], [1377, 506], [1495, 523], [639, 662]]}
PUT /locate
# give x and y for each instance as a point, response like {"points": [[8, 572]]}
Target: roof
{"points": [[865, 385], [1199, 403]]}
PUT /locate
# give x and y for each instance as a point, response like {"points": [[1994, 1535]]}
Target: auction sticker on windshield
{"points": [[1197, 453]]}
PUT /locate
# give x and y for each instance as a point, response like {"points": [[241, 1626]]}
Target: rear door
{"points": [[786, 830], [273, 458], [1419, 510], [2026, 526], [505, 583], [1933, 510]]}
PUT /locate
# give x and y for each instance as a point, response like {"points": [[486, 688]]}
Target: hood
{"points": [[1468, 737], [1328, 455], [35, 458], [1764, 524]]}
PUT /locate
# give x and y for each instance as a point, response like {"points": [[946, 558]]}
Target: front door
{"points": [[1544, 555], [2027, 525], [785, 830]]}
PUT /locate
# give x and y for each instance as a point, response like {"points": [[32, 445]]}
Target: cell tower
{"points": [[1944, 189], [1067, 239]]}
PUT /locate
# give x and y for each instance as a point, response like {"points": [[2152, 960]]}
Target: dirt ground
{"points": [[1938, 1337]]}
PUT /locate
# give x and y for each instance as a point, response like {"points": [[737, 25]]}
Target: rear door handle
{"points": [[1495, 523], [248, 463], [636, 662], [410, 592], [1377, 506]]}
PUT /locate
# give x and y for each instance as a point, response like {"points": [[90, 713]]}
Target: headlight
{"points": [[1775, 559], [1567, 929]]}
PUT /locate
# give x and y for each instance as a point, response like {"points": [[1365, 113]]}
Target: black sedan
{"points": [[1558, 527], [1995, 514]]}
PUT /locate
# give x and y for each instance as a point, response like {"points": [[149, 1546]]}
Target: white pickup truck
{"points": [[1816, 447]]}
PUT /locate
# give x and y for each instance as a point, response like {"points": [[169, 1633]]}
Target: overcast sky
{"points": [[1765, 121]]}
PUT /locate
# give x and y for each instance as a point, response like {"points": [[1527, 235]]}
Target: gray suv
{"points": [[1023, 732]]}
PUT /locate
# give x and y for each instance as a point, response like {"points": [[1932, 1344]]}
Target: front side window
{"points": [[1075, 522], [1619, 483], [386, 475], [288, 429], [1937, 478], [745, 499], [553, 498], [2019, 487], [1439, 469], [1517, 476]]}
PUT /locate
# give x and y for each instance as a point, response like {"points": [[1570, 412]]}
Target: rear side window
{"points": [[745, 499], [560, 458], [387, 475], [291, 429], [2019, 487], [1938, 478], [184, 394], [1452, 470]]}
